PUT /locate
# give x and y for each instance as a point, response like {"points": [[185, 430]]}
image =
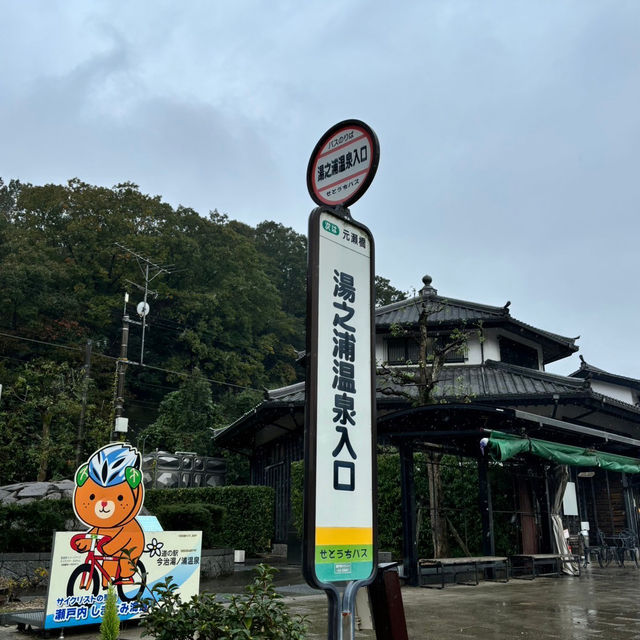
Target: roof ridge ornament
{"points": [[428, 290]]}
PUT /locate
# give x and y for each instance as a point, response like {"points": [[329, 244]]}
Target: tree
{"points": [[232, 305], [38, 420], [186, 418], [418, 383], [386, 293]]}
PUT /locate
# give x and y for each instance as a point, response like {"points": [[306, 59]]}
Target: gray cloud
{"points": [[509, 132]]}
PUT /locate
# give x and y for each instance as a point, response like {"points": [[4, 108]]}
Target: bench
{"points": [[486, 566], [532, 565]]}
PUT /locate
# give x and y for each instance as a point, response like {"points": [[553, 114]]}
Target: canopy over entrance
{"points": [[503, 446]]}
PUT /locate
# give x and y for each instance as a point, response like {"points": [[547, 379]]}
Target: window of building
{"points": [[405, 350], [513, 352]]}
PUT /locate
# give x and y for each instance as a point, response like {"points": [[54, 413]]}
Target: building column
{"points": [[486, 511], [408, 493], [629, 504]]}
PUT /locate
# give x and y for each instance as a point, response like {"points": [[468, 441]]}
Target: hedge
{"points": [[248, 518], [29, 527], [248, 522], [195, 516]]}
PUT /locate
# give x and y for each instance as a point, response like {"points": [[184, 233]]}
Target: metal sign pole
{"points": [[340, 537], [340, 496]]}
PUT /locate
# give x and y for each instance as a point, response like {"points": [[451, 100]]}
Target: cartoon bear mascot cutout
{"points": [[108, 496]]}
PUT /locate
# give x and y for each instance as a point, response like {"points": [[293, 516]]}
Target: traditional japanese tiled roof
{"points": [[493, 379], [449, 312], [589, 372], [497, 380], [292, 394], [495, 383]]}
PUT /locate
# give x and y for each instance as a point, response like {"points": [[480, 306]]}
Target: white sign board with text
{"points": [[341, 410]]}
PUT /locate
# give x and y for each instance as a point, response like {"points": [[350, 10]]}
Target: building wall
{"points": [[615, 391], [479, 349]]}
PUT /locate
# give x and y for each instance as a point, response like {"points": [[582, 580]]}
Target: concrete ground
{"points": [[602, 603]]}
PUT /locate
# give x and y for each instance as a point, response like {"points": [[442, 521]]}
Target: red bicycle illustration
{"points": [[87, 577]]}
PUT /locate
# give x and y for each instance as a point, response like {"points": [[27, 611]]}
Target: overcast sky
{"points": [[509, 132]]}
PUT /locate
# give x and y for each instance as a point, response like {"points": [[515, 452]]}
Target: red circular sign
{"points": [[343, 164]]}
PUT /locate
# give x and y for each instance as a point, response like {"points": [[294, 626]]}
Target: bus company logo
{"points": [[331, 228]]}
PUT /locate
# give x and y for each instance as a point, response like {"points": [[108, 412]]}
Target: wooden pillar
{"points": [[528, 528], [629, 504], [408, 493], [486, 511], [547, 544]]}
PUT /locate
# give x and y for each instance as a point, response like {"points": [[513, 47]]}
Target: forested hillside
{"points": [[226, 321]]}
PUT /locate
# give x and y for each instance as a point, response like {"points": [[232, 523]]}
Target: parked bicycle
{"points": [[627, 544], [88, 577], [614, 548]]}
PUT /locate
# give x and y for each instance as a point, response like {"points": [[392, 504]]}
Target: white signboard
{"points": [[343, 164], [569, 500], [342, 424], [78, 580]]}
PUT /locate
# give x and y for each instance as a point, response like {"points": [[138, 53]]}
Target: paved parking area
{"points": [[602, 603]]}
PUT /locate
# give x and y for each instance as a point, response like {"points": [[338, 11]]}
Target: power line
{"points": [[51, 344], [129, 362]]}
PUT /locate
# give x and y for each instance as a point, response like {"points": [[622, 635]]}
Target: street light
{"points": [[143, 440]]}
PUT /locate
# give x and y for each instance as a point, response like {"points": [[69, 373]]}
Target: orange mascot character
{"points": [[108, 496]]}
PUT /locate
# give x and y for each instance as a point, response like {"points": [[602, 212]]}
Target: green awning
{"points": [[503, 446]]}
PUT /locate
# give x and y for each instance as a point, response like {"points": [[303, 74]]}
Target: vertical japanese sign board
{"points": [[340, 437]]}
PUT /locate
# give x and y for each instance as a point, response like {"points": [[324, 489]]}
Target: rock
{"points": [[34, 490], [13, 487]]}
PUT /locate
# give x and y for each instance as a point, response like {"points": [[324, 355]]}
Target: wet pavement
{"points": [[602, 603]]}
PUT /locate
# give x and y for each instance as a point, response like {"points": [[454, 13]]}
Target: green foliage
{"points": [[232, 306], [110, 625], [39, 414], [195, 516], [506, 529], [248, 520], [459, 505], [259, 614], [11, 587], [167, 616], [30, 527], [185, 418], [386, 293], [297, 496]]}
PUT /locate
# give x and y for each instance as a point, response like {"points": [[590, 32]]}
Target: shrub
{"points": [[297, 496], [30, 527], [195, 516], [110, 625], [258, 614], [248, 522]]}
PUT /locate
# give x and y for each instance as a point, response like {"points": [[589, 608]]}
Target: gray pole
{"points": [[121, 368], [144, 317]]}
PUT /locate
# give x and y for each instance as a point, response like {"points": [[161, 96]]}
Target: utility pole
{"points": [[121, 368], [150, 271]]}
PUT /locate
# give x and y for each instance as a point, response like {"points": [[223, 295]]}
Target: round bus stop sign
{"points": [[343, 164]]}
